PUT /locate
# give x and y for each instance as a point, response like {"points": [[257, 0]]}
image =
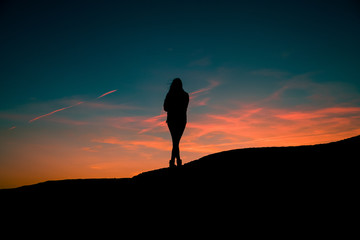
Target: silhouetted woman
{"points": [[175, 104]]}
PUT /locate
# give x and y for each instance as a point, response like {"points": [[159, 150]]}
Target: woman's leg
{"points": [[176, 131], [173, 154], [175, 142], [176, 149]]}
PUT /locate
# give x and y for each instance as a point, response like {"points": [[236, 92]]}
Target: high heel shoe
{"points": [[179, 162], [172, 163]]}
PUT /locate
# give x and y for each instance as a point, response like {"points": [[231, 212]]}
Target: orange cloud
{"points": [[152, 142], [92, 149], [268, 126], [320, 113]]}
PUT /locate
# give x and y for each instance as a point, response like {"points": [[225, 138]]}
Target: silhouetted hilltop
{"points": [[285, 171]]}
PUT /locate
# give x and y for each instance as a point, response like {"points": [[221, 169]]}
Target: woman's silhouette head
{"points": [[176, 85]]}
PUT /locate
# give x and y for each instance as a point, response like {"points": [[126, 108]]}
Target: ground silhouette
{"points": [[302, 170], [282, 191], [277, 191]]}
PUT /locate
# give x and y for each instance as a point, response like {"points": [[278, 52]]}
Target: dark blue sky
{"points": [[52, 49]]}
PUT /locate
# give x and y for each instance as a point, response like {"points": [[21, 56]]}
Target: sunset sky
{"points": [[83, 82]]}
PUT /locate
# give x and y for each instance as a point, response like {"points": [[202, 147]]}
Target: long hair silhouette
{"points": [[175, 104]]}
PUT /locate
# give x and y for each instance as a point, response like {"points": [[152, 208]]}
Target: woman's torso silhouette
{"points": [[175, 104]]}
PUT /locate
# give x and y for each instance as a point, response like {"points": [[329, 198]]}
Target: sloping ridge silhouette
{"points": [[260, 172]]}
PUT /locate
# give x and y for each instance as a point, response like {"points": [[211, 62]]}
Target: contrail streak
{"points": [[58, 110], [61, 109], [106, 94]]}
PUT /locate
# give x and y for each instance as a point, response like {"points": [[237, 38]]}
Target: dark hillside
{"points": [[257, 172]]}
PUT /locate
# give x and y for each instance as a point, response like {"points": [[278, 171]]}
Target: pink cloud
{"points": [[139, 124], [268, 126], [201, 102], [153, 122], [127, 123], [92, 149]]}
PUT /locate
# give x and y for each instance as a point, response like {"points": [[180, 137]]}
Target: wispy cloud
{"points": [[195, 96], [212, 85], [150, 142], [154, 122], [321, 113], [138, 124]]}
